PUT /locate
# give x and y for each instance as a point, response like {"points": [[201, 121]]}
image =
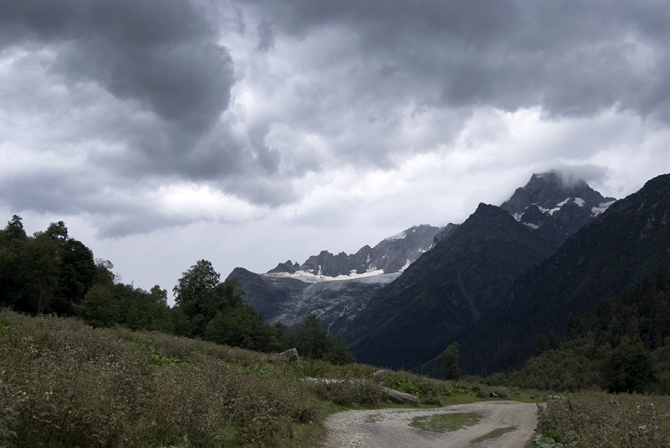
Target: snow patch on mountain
{"points": [[568, 205], [309, 277], [601, 207], [398, 236]]}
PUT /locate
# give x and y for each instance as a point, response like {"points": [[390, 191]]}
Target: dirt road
{"points": [[390, 427]]}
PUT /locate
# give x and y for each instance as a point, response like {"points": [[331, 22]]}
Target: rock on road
{"points": [[390, 427]]}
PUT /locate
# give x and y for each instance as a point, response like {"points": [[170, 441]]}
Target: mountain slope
{"points": [[446, 290], [628, 241], [468, 273], [289, 301], [334, 287]]}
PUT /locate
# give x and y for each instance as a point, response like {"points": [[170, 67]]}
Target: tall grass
{"points": [[596, 419], [65, 384]]}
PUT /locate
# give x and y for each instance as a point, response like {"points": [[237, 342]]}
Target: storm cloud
{"points": [[137, 116]]}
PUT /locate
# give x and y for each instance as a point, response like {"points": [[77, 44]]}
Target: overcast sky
{"points": [[252, 132]]}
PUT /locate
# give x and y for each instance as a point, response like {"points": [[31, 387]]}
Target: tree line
{"points": [[623, 347], [51, 272]]}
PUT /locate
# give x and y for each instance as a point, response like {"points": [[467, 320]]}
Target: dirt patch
{"points": [[503, 424]]}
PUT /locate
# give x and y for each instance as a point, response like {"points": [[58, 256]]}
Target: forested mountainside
{"points": [[626, 243], [623, 346], [445, 291], [469, 272]]}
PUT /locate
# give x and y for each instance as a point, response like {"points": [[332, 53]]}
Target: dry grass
{"points": [[596, 419], [64, 384]]}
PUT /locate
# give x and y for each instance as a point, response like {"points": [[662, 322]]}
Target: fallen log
{"points": [[393, 395], [400, 397]]}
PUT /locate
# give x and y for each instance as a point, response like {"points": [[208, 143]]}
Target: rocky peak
{"points": [[392, 255], [445, 233], [288, 267], [563, 206], [550, 193]]}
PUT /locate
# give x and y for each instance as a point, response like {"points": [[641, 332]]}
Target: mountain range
{"points": [[334, 287], [466, 276], [493, 283]]}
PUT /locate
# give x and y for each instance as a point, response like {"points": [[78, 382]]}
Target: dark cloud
{"points": [[160, 54], [125, 23], [257, 98], [572, 58], [186, 84], [266, 36]]}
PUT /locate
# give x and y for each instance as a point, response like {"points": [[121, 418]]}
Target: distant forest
{"points": [[624, 347], [50, 272]]}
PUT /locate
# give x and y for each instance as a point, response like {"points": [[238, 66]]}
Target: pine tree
{"points": [[451, 369]]}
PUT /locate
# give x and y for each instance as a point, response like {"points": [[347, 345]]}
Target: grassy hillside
{"points": [[63, 383]]}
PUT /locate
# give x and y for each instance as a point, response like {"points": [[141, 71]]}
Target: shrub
{"points": [[349, 392]]}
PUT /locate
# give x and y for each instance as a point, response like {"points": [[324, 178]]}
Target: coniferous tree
{"points": [[452, 370]]}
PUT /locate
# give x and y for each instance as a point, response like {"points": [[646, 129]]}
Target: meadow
{"points": [[595, 419], [66, 384]]}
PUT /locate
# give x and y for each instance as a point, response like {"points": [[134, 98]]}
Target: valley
{"points": [[557, 290], [457, 281]]}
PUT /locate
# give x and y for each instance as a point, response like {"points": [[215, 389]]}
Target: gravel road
{"points": [[390, 427]]}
